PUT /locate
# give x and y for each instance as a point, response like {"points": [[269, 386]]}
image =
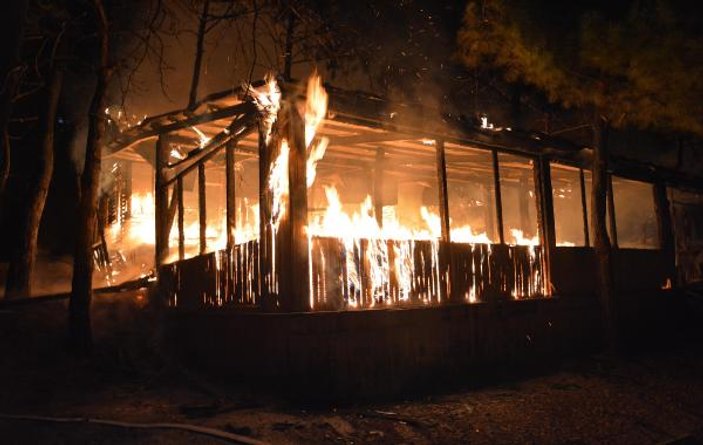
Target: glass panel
{"points": [[635, 217], [517, 186], [471, 192], [568, 208]]}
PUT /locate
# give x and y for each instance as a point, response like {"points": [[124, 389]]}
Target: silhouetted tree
{"points": [[635, 63]]}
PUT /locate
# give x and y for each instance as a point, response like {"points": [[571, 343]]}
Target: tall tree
{"points": [[10, 76], [80, 332], [49, 24], [603, 58]]}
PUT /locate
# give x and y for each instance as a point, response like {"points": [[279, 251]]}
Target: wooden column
{"points": [[160, 202], [545, 216], [265, 235], [499, 198], [665, 229], [378, 185], [296, 292], [181, 210], [230, 191], [202, 208], [584, 209], [611, 214], [445, 272]]}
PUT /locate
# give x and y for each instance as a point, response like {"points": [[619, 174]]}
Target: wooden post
{"points": [[445, 272], [378, 185], [584, 208], [499, 198], [611, 214], [181, 231], [160, 202], [202, 208], [265, 235], [296, 291], [665, 229], [545, 217], [230, 191]]}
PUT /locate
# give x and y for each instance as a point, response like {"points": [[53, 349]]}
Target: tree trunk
{"points": [[11, 34], [601, 242], [80, 333], [197, 64], [19, 275]]}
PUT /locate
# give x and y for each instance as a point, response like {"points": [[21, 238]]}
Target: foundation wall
{"points": [[378, 353]]}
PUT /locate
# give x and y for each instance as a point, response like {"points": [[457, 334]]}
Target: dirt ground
{"points": [[649, 398]]}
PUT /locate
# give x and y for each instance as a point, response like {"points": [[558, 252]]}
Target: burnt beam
{"points": [[378, 173], [499, 197], [161, 203], [230, 180], [545, 216], [202, 208], [445, 272], [297, 283], [181, 210]]}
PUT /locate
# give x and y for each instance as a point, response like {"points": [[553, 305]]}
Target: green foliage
{"points": [[639, 66]]}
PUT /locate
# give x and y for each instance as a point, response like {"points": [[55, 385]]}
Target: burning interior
{"points": [[285, 199]]}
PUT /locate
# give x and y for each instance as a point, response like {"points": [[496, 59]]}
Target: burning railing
{"points": [[347, 249]]}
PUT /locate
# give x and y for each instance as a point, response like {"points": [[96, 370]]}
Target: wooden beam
{"points": [[238, 129], [202, 208], [266, 285], [161, 203], [665, 228], [499, 197], [378, 173], [369, 138], [445, 272], [167, 123], [611, 214], [230, 179], [181, 210], [297, 289], [545, 216], [584, 208]]}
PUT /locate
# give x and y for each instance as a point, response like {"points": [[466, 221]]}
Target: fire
{"points": [[139, 228], [267, 100], [520, 240], [278, 184]]}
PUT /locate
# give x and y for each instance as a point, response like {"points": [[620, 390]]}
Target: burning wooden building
{"points": [[278, 215]]}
